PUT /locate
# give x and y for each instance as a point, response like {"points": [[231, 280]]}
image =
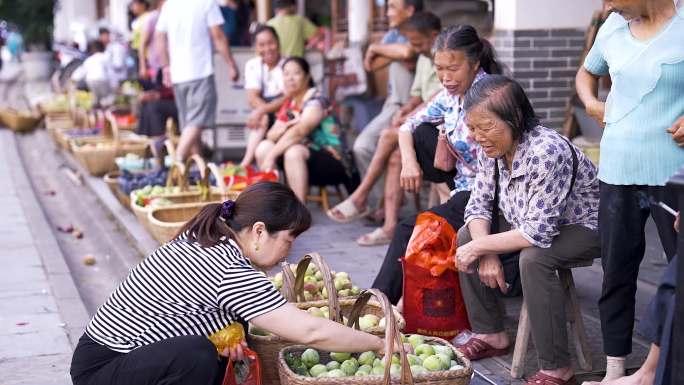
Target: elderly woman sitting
{"points": [[547, 191]]}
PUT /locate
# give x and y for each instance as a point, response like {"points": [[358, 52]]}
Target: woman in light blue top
{"points": [[641, 47]]}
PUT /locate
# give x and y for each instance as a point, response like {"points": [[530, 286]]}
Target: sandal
{"points": [[476, 349], [376, 237], [346, 212], [544, 379]]}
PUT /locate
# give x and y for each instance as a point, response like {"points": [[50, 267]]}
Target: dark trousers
{"points": [[425, 144], [190, 360], [390, 278], [623, 211]]}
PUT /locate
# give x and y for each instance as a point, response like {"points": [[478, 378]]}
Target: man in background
{"points": [[294, 31]]}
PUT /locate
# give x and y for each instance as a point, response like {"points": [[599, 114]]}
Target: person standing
{"points": [[640, 45], [186, 31], [294, 31]]}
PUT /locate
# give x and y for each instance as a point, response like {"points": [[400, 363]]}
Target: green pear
{"points": [[418, 369], [310, 357], [414, 359], [415, 340], [367, 358], [349, 367], [336, 373], [395, 370], [424, 349], [446, 360], [444, 350], [432, 363], [340, 357], [332, 365], [317, 370]]}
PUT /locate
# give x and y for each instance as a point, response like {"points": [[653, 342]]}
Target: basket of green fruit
{"points": [[372, 316], [432, 361]]}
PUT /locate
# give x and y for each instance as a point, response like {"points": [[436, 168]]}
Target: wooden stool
{"points": [[574, 318], [322, 196]]}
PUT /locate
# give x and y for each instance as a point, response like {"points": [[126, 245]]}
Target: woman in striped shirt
{"points": [[153, 328]]}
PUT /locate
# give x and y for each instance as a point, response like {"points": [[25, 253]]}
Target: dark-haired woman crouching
{"points": [[153, 328]]}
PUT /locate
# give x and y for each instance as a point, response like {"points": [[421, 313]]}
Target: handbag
{"points": [[446, 156]]}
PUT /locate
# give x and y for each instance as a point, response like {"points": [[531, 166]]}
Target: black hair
{"points": [[304, 65], [144, 3], [272, 203], [422, 22], [95, 46], [280, 4], [506, 98], [265, 28], [103, 30], [464, 38], [416, 4]]}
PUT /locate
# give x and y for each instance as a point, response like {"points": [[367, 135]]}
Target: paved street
{"points": [[42, 313]]}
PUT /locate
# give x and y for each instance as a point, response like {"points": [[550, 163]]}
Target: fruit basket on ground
{"points": [[435, 362], [268, 346], [164, 221], [19, 121], [98, 154], [237, 177]]}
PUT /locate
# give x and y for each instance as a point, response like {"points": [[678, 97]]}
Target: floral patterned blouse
{"points": [[534, 196], [446, 109]]}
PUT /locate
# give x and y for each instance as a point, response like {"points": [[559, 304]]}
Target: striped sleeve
{"points": [[247, 293]]}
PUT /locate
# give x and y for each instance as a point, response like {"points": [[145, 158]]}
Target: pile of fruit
{"points": [[366, 322], [129, 181], [134, 162], [58, 103], [426, 358], [152, 196], [239, 177], [314, 289]]}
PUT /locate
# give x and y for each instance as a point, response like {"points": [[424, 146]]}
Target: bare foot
{"points": [[496, 340], [640, 377]]}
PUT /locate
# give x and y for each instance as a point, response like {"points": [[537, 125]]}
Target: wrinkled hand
{"points": [[491, 273], [466, 255], [677, 131], [368, 60], [411, 177], [597, 110], [236, 354]]}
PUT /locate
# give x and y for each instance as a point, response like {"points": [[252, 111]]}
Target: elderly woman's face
{"points": [[267, 47], [294, 78], [492, 134], [455, 71]]}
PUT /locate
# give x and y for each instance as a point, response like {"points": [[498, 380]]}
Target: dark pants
{"points": [[190, 360], [153, 116], [425, 144], [390, 278], [542, 290], [623, 211], [657, 322]]}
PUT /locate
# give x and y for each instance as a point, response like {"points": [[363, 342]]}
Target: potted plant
{"points": [[35, 20]]}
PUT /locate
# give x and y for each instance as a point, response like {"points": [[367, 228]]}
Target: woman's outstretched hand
{"points": [[237, 353]]}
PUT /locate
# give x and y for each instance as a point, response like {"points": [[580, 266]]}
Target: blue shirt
{"points": [[393, 36], [646, 98]]}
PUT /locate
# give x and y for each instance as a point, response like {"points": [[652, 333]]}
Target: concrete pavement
{"points": [[41, 312]]}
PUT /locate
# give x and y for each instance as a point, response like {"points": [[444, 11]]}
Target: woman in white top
{"points": [[264, 85], [153, 328]]}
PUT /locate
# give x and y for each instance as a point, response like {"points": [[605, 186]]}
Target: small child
{"points": [[294, 31], [95, 72]]}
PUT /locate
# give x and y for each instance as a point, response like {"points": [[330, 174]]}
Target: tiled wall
{"points": [[545, 63]]}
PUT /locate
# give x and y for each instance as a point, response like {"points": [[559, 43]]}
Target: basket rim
{"points": [[156, 222], [441, 375]]}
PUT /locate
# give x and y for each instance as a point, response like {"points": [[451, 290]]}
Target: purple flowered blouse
{"points": [[532, 195]]}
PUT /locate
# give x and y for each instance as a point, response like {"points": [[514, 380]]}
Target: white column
{"points": [[263, 8], [544, 14], [71, 14], [118, 16], [358, 16]]}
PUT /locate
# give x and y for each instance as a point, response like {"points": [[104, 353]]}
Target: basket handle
{"points": [[175, 175], [334, 308], [111, 124], [288, 282], [220, 182], [204, 175], [392, 334]]}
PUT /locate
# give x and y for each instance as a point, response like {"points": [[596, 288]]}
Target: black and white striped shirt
{"points": [[182, 289]]}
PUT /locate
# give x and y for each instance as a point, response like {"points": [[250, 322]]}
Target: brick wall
{"points": [[544, 62]]}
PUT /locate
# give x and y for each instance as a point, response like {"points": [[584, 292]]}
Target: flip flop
{"points": [[376, 237], [544, 379], [476, 349], [347, 212]]}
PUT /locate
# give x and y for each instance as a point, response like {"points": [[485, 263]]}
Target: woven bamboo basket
{"points": [[98, 155], [19, 121], [164, 222], [268, 347], [112, 180], [393, 337], [57, 121]]}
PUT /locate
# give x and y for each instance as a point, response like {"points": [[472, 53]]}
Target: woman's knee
{"points": [[395, 159], [296, 153], [388, 137], [531, 259]]}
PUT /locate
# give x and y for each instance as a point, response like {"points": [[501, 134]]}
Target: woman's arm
{"points": [[310, 119], [298, 326], [587, 90], [255, 101]]}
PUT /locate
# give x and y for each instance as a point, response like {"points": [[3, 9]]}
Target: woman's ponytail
{"points": [[488, 60]]}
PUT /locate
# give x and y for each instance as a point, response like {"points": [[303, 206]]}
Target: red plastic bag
{"points": [[247, 372], [433, 304]]}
